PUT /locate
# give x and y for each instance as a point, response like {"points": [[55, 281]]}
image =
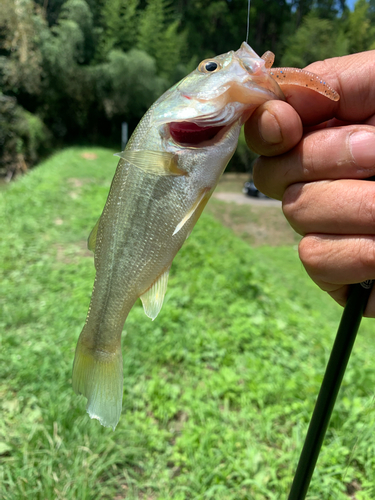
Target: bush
{"points": [[23, 138]]}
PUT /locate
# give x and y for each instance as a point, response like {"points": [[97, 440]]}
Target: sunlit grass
{"points": [[218, 390]]}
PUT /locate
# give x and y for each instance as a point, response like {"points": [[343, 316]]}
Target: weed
{"points": [[218, 390]]}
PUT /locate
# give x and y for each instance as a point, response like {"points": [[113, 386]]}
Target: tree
{"points": [[119, 26], [316, 39], [127, 85], [219, 26], [78, 11], [360, 28], [328, 9], [70, 105], [158, 36], [23, 137], [20, 64]]}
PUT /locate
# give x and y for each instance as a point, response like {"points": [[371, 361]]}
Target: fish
{"points": [[164, 178]]}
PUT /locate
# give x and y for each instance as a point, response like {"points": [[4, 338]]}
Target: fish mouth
{"points": [[191, 134]]}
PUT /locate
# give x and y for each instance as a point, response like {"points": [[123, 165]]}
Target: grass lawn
{"points": [[219, 389]]}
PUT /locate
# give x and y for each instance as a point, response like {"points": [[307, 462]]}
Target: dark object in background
{"points": [[250, 190]]}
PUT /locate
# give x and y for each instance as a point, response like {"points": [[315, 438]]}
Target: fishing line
{"points": [[248, 21]]}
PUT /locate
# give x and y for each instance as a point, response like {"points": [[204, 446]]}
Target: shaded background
{"points": [[71, 71]]}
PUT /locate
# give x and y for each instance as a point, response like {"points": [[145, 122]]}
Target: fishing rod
{"points": [[342, 348]]}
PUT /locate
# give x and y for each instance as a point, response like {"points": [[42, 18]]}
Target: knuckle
{"points": [[363, 201], [366, 253], [261, 179], [309, 154], [310, 254], [371, 210], [293, 205]]}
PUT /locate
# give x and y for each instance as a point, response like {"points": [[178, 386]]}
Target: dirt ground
{"points": [[257, 221]]}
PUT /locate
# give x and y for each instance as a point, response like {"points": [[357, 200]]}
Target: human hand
{"points": [[315, 156]]}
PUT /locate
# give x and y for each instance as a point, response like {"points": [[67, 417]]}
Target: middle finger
{"points": [[345, 206]]}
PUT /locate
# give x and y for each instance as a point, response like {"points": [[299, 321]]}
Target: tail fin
{"points": [[98, 376]]}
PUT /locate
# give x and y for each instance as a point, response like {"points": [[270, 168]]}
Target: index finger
{"points": [[276, 126], [351, 76]]}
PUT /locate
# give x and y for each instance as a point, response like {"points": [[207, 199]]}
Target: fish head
{"points": [[220, 92]]}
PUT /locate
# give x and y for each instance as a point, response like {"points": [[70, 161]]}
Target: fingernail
{"points": [[362, 146], [269, 128]]}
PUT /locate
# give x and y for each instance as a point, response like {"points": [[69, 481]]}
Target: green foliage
{"points": [[322, 34], [218, 389], [327, 9], [23, 137], [20, 66], [69, 86], [361, 28], [120, 26], [84, 66], [83, 79], [153, 30], [35, 135], [267, 25], [128, 83], [205, 25], [158, 36], [63, 48], [315, 40], [79, 12]]}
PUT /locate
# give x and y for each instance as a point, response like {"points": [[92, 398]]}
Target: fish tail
{"points": [[98, 376]]}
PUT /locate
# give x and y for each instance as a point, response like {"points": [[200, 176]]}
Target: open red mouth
{"points": [[192, 134]]}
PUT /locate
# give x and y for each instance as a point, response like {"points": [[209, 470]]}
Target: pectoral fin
{"points": [[153, 162], [91, 242], [196, 209], [152, 299]]}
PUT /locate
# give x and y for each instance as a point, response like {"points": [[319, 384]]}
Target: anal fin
{"points": [[152, 299], [153, 162]]}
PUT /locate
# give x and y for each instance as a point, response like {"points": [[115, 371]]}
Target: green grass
{"points": [[218, 390]]}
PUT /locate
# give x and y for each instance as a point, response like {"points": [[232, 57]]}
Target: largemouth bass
{"points": [[164, 179]]}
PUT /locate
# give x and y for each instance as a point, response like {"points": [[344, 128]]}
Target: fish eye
{"points": [[208, 66]]}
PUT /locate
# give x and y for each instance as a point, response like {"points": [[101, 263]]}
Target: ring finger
{"points": [[344, 206]]}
